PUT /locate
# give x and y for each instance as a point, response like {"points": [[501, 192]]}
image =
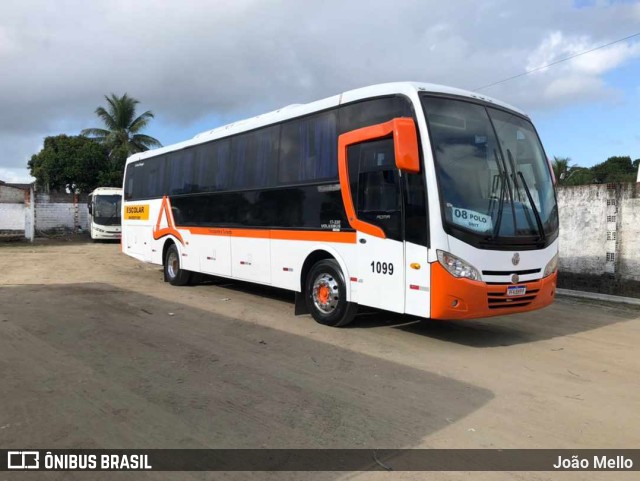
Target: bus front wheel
{"points": [[173, 273], [326, 295]]}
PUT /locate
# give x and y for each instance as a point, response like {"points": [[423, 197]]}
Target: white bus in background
{"points": [[105, 206], [413, 198]]}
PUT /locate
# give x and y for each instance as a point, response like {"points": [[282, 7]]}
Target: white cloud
{"points": [[557, 46], [573, 87], [580, 78], [17, 175], [195, 58], [609, 58]]}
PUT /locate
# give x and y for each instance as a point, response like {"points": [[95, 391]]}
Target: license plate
{"points": [[516, 290]]}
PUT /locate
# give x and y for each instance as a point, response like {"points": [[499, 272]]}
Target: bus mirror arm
{"points": [[405, 140], [407, 155]]}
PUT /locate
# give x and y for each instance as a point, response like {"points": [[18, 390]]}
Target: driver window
{"points": [[375, 185]]}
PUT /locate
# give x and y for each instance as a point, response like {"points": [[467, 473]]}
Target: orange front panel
{"points": [[456, 298]]}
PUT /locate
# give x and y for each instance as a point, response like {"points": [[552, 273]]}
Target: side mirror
{"points": [[405, 140]]}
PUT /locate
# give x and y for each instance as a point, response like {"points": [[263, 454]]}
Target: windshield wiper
{"points": [[536, 214], [496, 227], [533, 206], [514, 175]]}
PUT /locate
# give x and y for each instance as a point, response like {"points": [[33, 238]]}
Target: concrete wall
{"points": [[58, 212], [12, 210], [629, 248], [600, 238], [12, 217]]}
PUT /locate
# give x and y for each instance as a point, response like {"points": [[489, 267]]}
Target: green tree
{"points": [[615, 169], [71, 163], [578, 176], [112, 175], [123, 126]]}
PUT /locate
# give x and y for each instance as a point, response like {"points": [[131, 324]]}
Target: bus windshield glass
{"points": [[106, 209], [493, 175]]}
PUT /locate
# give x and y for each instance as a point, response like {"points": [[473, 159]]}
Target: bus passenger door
{"points": [[374, 183]]}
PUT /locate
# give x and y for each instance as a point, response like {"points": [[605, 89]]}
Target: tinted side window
{"points": [[309, 206], [254, 158], [129, 180], [145, 179], [212, 166], [308, 149], [371, 112], [139, 184], [180, 172], [156, 176]]}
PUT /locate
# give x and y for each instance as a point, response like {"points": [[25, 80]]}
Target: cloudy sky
{"points": [[198, 64]]}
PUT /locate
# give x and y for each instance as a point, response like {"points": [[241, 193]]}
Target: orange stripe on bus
{"points": [[317, 236]]}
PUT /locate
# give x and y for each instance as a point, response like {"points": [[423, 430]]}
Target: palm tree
{"points": [[561, 168], [122, 126]]}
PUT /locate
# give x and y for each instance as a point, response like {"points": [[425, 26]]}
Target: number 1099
{"points": [[382, 268]]}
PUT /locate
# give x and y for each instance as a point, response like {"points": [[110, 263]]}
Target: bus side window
{"points": [[134, 180], [179, 172], [308, 149], [128, 189], [371, 112]]}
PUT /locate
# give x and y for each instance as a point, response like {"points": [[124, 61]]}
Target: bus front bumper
{"points": [[457, 298]]}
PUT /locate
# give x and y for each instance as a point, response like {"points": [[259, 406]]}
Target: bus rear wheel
{"points": [[326, 295], [173, 273]]}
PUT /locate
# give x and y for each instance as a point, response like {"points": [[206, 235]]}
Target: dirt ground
{"points": [[97, 351]]}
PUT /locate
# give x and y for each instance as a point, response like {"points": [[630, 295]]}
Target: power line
{"points": [[556, 62]]}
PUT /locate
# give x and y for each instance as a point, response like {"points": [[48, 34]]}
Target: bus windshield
{"points": [[493, 176], [106, 210]]}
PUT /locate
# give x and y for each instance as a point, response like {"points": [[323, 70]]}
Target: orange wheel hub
{"points": [[323, 294]]}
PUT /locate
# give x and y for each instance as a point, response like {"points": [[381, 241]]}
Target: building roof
{"points": [[17, 186]]}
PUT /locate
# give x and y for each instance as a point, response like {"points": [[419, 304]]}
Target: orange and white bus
{"points": [[409, 197]]}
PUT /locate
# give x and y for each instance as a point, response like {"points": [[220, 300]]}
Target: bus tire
{"points": [[326, 295], [173, 273]]}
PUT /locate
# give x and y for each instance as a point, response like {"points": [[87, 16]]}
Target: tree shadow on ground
{"points": [[93, 365]]}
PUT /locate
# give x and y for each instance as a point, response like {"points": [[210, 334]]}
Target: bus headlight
{"points": [[551, 267], [457, 267]]}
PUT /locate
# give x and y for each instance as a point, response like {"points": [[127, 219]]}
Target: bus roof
{"points": [[107, 191], [299, 110]]}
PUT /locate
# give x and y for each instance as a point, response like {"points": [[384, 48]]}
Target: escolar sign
{"points": [[136, 212]]}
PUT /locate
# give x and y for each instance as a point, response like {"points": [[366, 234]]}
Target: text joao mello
{"points": [[599, 462]]}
